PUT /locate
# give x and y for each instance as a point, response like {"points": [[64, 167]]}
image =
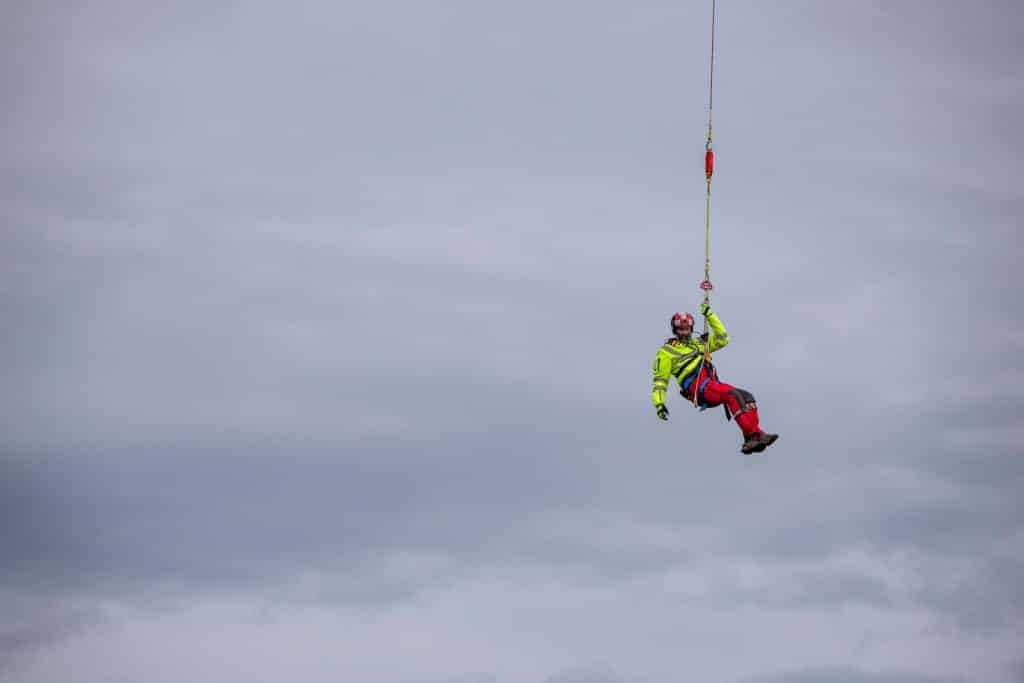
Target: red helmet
{"points": [[679, 318]]}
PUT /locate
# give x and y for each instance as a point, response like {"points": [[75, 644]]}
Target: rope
{"points": [[709, 168]]}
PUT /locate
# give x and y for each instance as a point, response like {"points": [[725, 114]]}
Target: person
{"points": [[683, 357]]}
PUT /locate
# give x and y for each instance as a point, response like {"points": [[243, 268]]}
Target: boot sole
{"points": [[761, 446]]}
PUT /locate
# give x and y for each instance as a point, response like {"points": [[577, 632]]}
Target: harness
{"points": [[708, 372], [700, 391]]}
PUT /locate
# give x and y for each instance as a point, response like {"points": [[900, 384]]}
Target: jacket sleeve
{"points": [[719, 337], [662, 373]]}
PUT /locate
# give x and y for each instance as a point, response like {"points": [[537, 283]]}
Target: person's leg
{"points": [[741, 405]]}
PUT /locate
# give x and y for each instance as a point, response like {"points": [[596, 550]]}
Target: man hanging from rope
{"points": [[687, 359]]}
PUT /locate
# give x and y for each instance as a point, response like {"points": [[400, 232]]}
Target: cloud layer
{"points": [[329, 335]]}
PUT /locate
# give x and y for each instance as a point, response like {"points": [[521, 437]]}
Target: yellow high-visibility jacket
{"points": [[679, 359]]}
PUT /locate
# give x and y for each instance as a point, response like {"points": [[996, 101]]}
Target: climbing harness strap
{"points": [[698, 396]]}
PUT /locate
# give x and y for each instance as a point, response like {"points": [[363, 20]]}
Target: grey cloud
{"points": [[595, 674], [846, 676], [829, 591], [258, 519], [369, 292], [1018, 671], [989, 599], [474, 678], [41, 632]]}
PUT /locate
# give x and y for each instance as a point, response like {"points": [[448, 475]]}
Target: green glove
{"points": [[705, 310], [662, 411]]}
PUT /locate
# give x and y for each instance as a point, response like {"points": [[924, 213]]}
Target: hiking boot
{"points": [[755, 443]]}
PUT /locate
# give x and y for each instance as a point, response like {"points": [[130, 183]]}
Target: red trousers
{"points": [[740, 403]]}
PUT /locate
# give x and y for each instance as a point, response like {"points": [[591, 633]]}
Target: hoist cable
{"points": [[709, 169]]}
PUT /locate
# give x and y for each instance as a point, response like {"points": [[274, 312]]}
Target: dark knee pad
{"points": [[744, 401]]}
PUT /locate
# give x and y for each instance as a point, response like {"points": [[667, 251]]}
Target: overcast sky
{"points": [[328, 330]]}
